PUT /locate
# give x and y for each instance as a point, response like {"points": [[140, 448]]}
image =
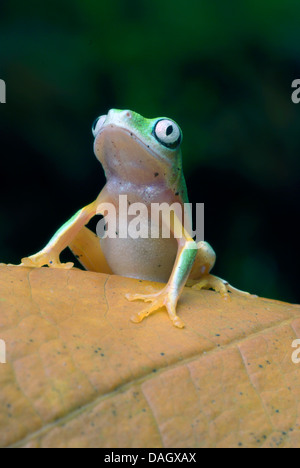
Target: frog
{"points": [[142, 160]]}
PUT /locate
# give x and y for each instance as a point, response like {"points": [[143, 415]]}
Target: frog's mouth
{"points": [[123, 154]]}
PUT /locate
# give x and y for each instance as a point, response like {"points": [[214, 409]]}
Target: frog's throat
{"points": [[172, 167]]}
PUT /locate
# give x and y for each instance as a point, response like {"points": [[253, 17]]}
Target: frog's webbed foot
{"points": [[45, 258], [217, 284], [158, 300], [234, 290]]}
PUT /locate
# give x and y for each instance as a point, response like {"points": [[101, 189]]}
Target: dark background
{"points": [[222, 70]]}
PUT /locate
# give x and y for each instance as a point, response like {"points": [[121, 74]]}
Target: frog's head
{"points": [[134, 148]]}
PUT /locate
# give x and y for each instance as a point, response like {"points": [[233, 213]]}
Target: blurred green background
{"points": [[222, 70]]}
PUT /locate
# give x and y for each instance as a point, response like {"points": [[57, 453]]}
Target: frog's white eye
{"points": [[98, 124], [167, 133]]}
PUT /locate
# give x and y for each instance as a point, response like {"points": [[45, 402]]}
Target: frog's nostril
{"points": [[128, 114]]}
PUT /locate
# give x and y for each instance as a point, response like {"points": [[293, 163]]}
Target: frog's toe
{"points": [[177, 322], [234, 290], [213, 282], [139, 297], [29, 262], [139, 316], [134, 297], [171, 308], [62, 266]]}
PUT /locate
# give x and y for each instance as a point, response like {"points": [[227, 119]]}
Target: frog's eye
{"points": [[167, 133], [98, 124]]}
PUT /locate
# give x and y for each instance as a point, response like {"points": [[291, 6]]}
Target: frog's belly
{"points": [[148, 259]]}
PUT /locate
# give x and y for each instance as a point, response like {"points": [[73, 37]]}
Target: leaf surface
{"points": [[79, 373]]}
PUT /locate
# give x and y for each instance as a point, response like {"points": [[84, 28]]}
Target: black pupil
{"points": [[169, 130], [95, 123]]}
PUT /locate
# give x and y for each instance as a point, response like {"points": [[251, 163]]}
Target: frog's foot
{"points": [[234, 290], [217, 284], [45, 258], [210, 282], [159, 300]]}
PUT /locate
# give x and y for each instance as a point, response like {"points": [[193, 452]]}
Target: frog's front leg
{"points": [[200, 277], [50, 254], [169, 295]]}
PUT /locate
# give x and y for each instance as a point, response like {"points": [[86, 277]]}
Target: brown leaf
{"points": [[80, 374]]}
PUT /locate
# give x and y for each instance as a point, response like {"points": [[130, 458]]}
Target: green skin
{"points": [[142, 159]]}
